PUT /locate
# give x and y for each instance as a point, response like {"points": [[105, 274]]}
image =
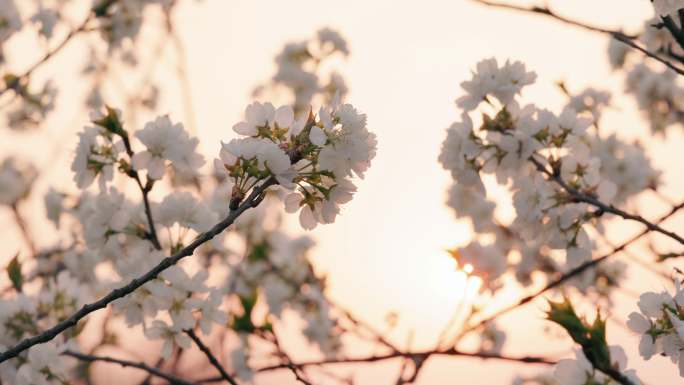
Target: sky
{"points": [[387, 250]]}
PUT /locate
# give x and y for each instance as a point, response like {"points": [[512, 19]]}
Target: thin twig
{"points": [[287, 360], [172, 379], [412, 355], [363, 325], [212, 359], [145, 189], [252, 201], [416, 356], [23, 228], [572, 273], [82, 28], [618, 35], [579, 196]]}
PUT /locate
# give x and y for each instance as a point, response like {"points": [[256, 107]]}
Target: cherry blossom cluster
{"points": [[117, 21], [274, 270], [302, 74], [310, 161], [547, 160], [31, 105], [660, 322], [315, 157], [657, 90], [34, 309], [101, 149]]}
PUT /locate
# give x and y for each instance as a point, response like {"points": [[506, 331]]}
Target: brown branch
{"points": [[252, 201], [412, 355], [82, 28], [287, 361], [172, 379], [546, 11], [572, 273], [378, 337], [212, 359], [416, 356], [618, 35], [579, 196]]}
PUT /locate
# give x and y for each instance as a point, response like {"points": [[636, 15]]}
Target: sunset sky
{"points": [[386, 253]]}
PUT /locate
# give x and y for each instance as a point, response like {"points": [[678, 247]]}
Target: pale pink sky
{"points": [[407, 59]]}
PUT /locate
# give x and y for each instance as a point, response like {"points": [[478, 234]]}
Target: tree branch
{"points": [[572, 273], [416, 356], [252, 201], [83, 27], [212, 359], [579, 196], [546, 11], [411, 355], [618, 35], [173, 380]]}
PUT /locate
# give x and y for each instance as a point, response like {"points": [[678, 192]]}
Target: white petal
{"points": [[245, 128], [317, 136], [155, 169], [646, 347], [307, 219], [298, 125], [618, 357], [568, 372], [167, 349], [141, 160], [284, 116], [255, 114], [638, 323], [292, 202]]}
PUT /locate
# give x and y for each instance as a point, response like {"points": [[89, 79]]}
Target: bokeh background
{"points": [[386, 253]]}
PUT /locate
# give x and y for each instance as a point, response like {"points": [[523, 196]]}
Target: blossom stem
{"points": [[172, 379], [212, 359], [252, 201], [145, 190]]}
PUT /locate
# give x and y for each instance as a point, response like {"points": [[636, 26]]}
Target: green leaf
{"points": [[592, 337], [111, 122], [597, 349], [564, 315], [243, 323], [14, 273], [259, 252]]}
